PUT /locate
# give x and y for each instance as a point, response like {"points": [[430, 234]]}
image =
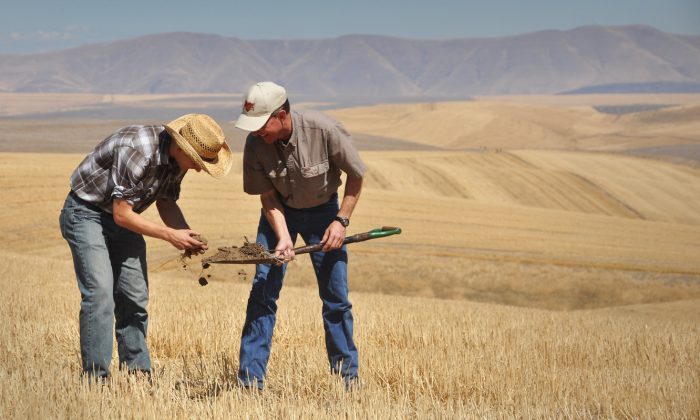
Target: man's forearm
{"points": [[274, 213], [180, 238], [171, 214], [353, 188], [125, 217]]}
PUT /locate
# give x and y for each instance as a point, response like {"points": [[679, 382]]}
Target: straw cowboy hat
{"points": [[201, 138]]}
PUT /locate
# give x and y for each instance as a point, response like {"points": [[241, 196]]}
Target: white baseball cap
{"points": [[259, 103]]}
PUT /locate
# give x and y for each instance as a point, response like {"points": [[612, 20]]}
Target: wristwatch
{"points": [[343, 221]]}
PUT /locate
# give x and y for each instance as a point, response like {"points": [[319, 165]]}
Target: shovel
{"points": [[252, 253]]}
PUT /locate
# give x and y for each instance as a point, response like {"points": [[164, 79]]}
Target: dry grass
{"points": [[525, 284], [419, 357]]}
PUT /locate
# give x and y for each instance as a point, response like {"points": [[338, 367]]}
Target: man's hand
{"points": [[285, 250], [200, 249], [333, 237], [187, 239]]}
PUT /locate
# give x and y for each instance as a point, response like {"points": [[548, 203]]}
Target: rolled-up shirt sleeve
{"points": [[343, 153], [129, 168]]}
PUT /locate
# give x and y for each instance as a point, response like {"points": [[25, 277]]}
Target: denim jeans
{"points": [[331, 275], [110, 266]]}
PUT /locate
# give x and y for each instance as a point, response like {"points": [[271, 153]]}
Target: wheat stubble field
{"points": [[540, 274]]}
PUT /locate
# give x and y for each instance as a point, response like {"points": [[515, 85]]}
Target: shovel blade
{"points": [[247, 254]]}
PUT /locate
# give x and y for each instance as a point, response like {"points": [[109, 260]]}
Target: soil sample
{"points": [[249, 253]]}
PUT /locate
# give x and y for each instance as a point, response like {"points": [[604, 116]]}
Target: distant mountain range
{"points": [[585, 59]]}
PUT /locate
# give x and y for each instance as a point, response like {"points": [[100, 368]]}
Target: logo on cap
{"points": [[248, 106]]}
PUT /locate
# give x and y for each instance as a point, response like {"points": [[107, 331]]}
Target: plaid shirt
{"points": [[132, 164]]}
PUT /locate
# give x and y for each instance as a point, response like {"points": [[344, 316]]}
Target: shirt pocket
{"points": [[315, 178], [315, 170]]}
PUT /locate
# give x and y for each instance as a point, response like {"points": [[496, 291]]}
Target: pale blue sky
{"points": [[43, 25]]}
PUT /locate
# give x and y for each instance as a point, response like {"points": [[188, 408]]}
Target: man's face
{"points": [[272, 130], [183, 160]]}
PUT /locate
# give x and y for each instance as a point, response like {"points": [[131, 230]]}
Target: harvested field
{"points": [[525, 283]]}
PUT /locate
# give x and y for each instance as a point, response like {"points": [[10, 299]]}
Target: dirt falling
{"points": [[187, 255]]}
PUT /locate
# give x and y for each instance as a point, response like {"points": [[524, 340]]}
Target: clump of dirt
{"points": [[245, 254], [192, 251], [202, 280], [249, 253]]}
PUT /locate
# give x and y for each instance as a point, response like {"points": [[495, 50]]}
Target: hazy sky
{"points": [[44, 25]]}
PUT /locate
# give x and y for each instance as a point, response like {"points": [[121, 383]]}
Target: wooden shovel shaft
{"points": [[375, 233]]}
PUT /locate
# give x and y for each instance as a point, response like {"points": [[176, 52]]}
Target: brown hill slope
{"points": [[525, 125], [583, 183]]}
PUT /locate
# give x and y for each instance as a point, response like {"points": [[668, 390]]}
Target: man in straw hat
{"points": [[101, 221], [294, 160]]}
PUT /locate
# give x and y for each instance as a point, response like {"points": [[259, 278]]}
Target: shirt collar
{"points": [[293, 139]]}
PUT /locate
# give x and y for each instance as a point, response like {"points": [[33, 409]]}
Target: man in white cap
{"points": [[102, 223], [294, 160]]}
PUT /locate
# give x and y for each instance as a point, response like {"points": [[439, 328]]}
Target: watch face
{"points": [[343, 221]]}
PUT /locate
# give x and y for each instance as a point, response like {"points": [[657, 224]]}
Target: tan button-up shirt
{"points": [[305, 171]]}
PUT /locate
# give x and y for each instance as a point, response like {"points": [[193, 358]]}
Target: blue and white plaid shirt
{"points": [[132, 164]]}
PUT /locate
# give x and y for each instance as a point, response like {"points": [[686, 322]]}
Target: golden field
{"points": [[537, 275]]}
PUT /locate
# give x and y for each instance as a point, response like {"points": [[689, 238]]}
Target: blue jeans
{"points": [[110, 266], [331, 275]]}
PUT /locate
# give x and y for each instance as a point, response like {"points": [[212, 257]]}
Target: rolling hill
{"points": [[532, 123], [576, 221], [495, 194]]}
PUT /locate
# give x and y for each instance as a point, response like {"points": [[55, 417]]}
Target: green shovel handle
{"points": [[382, 232], [372, 234]]}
